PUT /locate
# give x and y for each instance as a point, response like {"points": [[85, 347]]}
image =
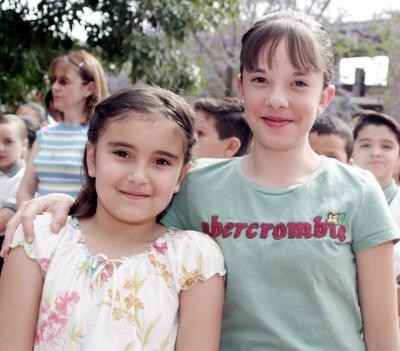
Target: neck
{"points": [[283, 168], [384, 182], [75, 116], [115, 238]]}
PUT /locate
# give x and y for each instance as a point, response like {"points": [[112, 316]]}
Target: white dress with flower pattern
{"points": [[90, 302]]}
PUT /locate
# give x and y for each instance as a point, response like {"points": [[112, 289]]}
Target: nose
{"points": [[376, 151], [2, 147], [56, 85], [276, 98], [138, 174]]}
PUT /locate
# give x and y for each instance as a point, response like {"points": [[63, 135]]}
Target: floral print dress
{"points": [[90, 302]]}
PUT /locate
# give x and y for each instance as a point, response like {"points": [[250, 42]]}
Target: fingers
{"points": [[11, 227], [60, 213], [57, 204]]}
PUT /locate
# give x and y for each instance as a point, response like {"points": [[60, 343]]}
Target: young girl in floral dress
{"points": [[119, 280]]}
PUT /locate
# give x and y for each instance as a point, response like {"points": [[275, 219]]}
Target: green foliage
{"points": [[146, 34], [368, 38]]}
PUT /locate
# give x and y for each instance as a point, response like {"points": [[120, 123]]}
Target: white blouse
{"points": [[90, 302]]}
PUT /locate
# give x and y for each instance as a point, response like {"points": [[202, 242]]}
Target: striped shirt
{"points": [[58, 162]]}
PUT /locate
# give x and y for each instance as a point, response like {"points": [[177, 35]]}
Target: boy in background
{"points": [[377, 149], [221, 129], [332, 137], [13, 144]]}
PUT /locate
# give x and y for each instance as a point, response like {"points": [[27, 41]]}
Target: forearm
{"points": [[5, 215], [24, 195]]}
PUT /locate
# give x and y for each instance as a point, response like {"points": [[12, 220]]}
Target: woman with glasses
{"points": [[78, 83]]}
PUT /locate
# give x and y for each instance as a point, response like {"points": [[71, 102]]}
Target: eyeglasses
{"points": [[63, 81]]}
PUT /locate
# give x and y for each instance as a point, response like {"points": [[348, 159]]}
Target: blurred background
{"points": [[192, 46]]}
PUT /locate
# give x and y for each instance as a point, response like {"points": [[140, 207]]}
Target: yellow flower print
{"points": [[191, 278], [132, 301], [117, 313], [161, 268], [131, 318], [117, 295]]}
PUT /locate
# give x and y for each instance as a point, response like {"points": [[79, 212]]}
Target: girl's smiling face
{"points": [[281, 102], [138, 164]]}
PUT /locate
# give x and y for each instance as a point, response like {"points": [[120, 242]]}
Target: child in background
{"points": [[13, 144], [117, 279], [32, 129], [34, 111], [308, 241], [54, 165], [332, 137], [377, 149], [222, 131]]}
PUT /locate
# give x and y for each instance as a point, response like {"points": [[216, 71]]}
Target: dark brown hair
{"points": [[154, 101], [308, 44], [331, 125], [369, 117], [229, 121]]}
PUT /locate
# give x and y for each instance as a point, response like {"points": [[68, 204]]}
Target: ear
{"points": [[232, 146], [90, 89], [326, 97], [185, 170], [90, 159], [351, 162], [239, 86]]}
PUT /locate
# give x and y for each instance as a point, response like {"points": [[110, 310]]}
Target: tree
{"points": [[142, 37]]}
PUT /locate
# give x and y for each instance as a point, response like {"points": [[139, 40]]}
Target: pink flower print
{"points": [[162, 248], [52, 322], [64, 300]]}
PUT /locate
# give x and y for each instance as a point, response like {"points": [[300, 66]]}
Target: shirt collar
{"points": [[11, 172], [390, 191]]}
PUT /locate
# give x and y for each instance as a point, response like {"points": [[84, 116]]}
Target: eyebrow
{"points": [[369, 139], [133, 147], [295, 73]]}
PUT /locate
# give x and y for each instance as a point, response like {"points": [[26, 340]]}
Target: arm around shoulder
{"points": [[5, 215], [29, 181]]}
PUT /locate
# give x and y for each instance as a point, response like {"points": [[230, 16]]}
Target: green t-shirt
{"points": [[291, 282]]}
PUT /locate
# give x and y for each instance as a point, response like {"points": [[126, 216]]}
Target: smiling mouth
{"points": [[134, 194], [276, 122]]}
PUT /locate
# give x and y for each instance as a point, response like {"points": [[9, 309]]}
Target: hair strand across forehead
{"points": [[307, 43]]}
